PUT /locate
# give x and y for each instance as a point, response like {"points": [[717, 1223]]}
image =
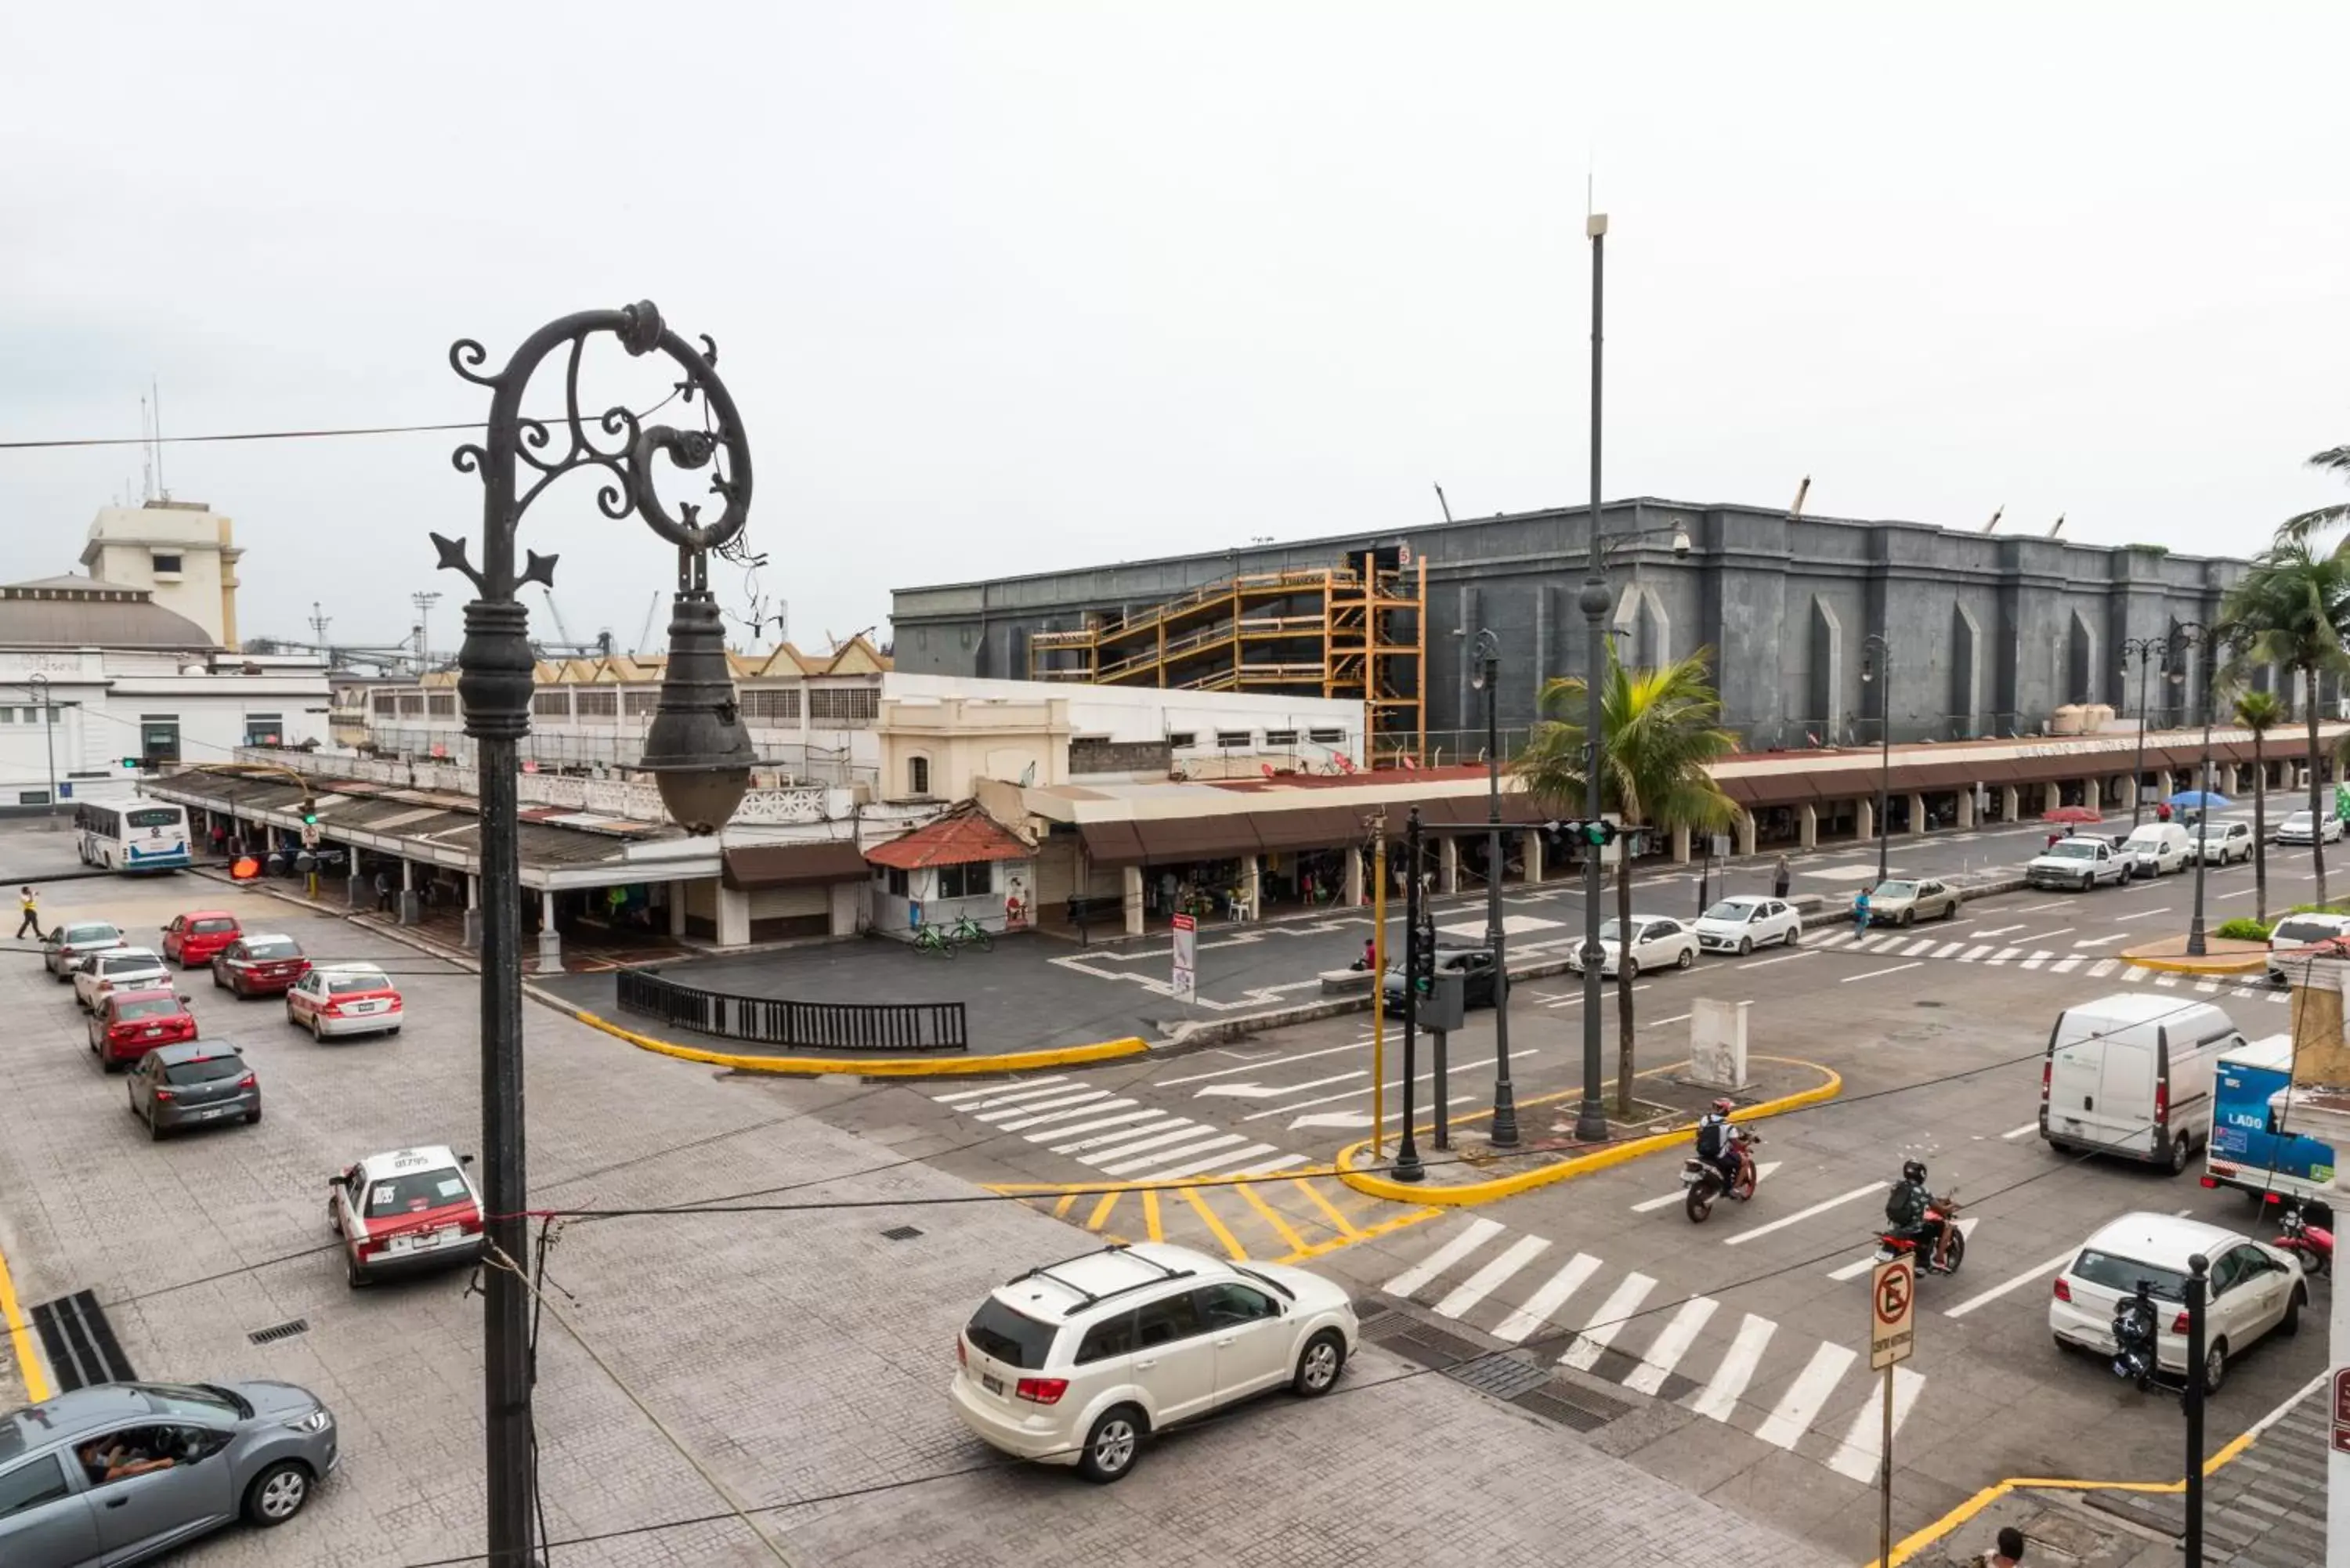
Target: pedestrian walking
{"points": [[1860, 913], [382, 892], [1781, 878], [30, 902], [2009, 1552]]}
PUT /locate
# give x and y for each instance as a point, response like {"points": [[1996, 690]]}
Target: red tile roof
{"points": [[956, 840]]}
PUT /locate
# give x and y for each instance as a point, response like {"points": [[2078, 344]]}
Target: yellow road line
{"points": [[1061, 1210], [1281, 1227], [1338, 1222], [1151, 1215], [20, 1338], [1384, 1227], [1233, 1248], [1100, 1216]]}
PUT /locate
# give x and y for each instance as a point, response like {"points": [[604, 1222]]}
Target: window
{"points": [[1281, 737], [1111, 1336], [1163, 1322], [204, 1070], [844, 704], [159, 737], [899, 887], [1226, 1306], [598, 704], [417, 1191], [263, 729], [411, 704], [642, 704], [32, 797], [917, 775], [32, 715], [440, 704], [166, 565], [772, 703], [1326, 737], [384, 703], [1178, 739], [8, 715], [2116, 1274], [1230, 738], [31, 1484], [551, 704], [976, 880], [996, 1330]]}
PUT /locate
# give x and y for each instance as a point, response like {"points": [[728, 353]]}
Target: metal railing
{"points": [[810, 1025]]}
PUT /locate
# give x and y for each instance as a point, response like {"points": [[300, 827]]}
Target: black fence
{"points": [[816, 1026]]}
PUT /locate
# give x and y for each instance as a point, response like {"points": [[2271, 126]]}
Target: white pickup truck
{"points": [[2079, 863]]}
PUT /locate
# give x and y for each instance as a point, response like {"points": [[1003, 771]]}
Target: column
{"points": [[1355, 898], [550, 945], [733, 917], [2129, 793], [2010, 801], [2165, 785], [1448, 863], [1681, 846], [1130, 879], [676, 908], [472, 910], [1746, 832], [1917, 812], [1807, 825], [2092, 793], [2051, 795], [1864, 818], [411, 908], [1967, 806], [1533, 839], [1252, 886]]}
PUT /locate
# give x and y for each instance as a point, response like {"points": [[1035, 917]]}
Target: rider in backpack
{"points": [[1715, 1146], [1908, 1209]]}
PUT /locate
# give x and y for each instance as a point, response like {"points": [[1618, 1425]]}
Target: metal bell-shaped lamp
{"points": [[697, 750]]}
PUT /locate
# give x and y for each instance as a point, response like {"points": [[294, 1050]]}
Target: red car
{"points": [[192, 939], [129, 1024], [259, 965]]}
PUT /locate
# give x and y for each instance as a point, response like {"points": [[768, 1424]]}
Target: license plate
{"points": [[1688, 1178], [154, 1033], [217, 1111], [993, 1384], [363, 1006]]}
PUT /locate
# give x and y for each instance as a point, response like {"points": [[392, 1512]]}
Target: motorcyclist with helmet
{"points": [[1718, 1147], [1909, 1208]]}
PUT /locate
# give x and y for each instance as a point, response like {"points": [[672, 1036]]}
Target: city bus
{"points": [[135, 836]]}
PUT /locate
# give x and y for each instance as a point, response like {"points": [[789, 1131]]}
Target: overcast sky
{"points": [[1007, 287]]}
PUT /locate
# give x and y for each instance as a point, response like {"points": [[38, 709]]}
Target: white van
{"points": [[2296, 933], [2131, 1074], [2153, 848]]}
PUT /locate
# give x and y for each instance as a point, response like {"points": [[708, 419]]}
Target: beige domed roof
{"points": [[78, 612]]}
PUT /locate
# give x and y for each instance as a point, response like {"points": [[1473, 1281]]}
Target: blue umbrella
{"points": [[2200, 800]]}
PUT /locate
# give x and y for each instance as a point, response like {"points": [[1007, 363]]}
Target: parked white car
{"points": [[2223, 843], [2154, 849], [115, 968], [1747, 921], [2302, 828], [2080, 863], [2294, 932], [1078, 1363], [1658, 942], [2255, 1289]]}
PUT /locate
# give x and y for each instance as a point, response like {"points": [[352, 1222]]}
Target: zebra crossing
{"points": [[1782, 1388], [1116, 1134], [1905, 944]]}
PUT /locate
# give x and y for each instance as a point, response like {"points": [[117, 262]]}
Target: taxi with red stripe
{"points": [[335, 1000], [407, 1212]]}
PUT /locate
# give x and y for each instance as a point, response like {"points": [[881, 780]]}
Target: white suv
{"points": [[1077, 1362]]}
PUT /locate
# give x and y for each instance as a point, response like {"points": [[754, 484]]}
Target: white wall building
{"points": [[181, 552]]}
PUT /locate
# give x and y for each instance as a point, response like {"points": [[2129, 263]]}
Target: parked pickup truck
{"points": [[2080, 863]]}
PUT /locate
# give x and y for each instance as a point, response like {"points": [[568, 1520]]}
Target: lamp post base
{"points": [[1505, 1117], [1591, 1122], [1408, 1166]]}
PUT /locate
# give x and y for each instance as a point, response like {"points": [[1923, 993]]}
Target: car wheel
{"points": [[2215, 1367], [352, 1274], [1689, 956], [1745, 946], [1319, 1365], [317, 1030], [1110, 1447], [2088, 880], [2290, 1324], [277, 1494], [2179, 1152], [155, 1130], [218, 983], [1795, 934], [1630, 968], [1909, 919], [1951, 911]]}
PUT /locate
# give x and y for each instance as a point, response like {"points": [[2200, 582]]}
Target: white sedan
{"points": [[2300, 827], [1747, 921], [1657, 943], [115, 968], [2255, 1289]]}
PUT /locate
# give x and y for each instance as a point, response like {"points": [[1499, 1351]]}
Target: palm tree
{"points": [[2297, 530], [2259, 712], [2294, 604], [1659, 729]]}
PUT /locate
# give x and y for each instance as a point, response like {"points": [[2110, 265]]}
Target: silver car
{"points": [[123, 1472], [66, 945]]}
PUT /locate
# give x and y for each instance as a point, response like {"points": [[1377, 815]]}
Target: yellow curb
{"points": [[2182, 965], [20, 1337], [1469, 1195], [881, 1068]]}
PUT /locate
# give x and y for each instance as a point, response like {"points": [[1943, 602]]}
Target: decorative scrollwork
{"points": [[469, 458], [463, 354]]}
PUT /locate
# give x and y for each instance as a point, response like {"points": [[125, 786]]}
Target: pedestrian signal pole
{"points": [[1407, 1161], [1379, 985]]}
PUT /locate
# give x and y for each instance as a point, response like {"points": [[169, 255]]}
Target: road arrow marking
{"points": [[2101, 941], [1349, 1119], [1270, 1091]]}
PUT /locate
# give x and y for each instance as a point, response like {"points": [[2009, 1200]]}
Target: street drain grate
{"points": [[902, 1232], [1571, 1405], [81, 1342], [277, 1331], [1503, 1375], [1929, 1004], [1432, 1348]]}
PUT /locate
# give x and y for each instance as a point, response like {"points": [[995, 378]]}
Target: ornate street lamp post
{"points": [[696, 747], [1485, 668], [2146, 651], [1877, 658]]}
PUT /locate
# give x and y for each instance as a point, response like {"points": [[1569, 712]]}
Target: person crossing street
{"points": [[30, 902]]}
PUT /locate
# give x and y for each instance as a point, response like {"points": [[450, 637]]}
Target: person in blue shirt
{"points": [[1860, 913]]}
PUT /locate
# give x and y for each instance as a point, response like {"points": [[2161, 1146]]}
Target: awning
{"points": [[1173, 840], [1110, 843], [1311, 827], [959, 840], [756, 866], [1840, 783]]}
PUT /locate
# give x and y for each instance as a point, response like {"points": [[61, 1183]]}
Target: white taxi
{"points": [[410, 1210], [335, 1000]]}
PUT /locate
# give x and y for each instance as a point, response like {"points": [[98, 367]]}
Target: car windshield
{"points": [[413, 1192], [1610, 930], [357, 980], [1895, 890], [205, 1070], [2299, 819], [1730, 909], [2119, 1273], [185, 1399], [147, 1007], [2072, 849], [997, 1331], [2301, 933], [211, 928], [284, 947]]}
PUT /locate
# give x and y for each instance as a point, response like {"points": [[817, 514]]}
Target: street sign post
{"points": [[1892, 1300], [1187, 958]]}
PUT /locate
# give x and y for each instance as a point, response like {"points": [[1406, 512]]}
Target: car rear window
{"points": [[148, 1007], [413, 1192], [345, 984], [112, 965], [205, 1070], [91, 933], [1005, 1334], [2301, 933], [2119, 1273], [280, 949], [211, 928]]}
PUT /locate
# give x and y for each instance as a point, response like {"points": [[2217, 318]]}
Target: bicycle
{"points": [[968, 932], [930, 939]]}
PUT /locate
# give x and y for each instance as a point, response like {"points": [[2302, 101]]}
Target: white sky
{"points": [[1009, 286]]}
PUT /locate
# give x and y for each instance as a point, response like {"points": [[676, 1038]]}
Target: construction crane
{"points": [[567, 648], [645, 638]]}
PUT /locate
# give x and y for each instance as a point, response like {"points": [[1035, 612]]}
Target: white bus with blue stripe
{"points": [[135, 836]]}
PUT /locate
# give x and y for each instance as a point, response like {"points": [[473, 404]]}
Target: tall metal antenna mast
{"points": [[424, 603]]}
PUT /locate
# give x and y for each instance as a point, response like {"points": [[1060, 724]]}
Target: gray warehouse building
{"points": [[1989, 633]]}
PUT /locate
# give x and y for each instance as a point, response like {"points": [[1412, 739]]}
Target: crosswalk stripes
{"points": [[1114, 1133], [1784, 1387], [2049, 961]]}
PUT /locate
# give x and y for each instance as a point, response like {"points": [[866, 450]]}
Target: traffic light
{"points": [[309, 812], [130, 762], [1598, 834]]}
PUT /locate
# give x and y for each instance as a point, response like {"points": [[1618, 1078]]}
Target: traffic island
{"points": [[1664, 1110], [2222, 955]]}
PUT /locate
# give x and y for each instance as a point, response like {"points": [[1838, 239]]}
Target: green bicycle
{"points": [[968, 932], [930, 939]]}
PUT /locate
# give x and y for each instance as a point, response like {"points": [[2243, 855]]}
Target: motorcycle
{"points": [[1890, 1246], [1703, 1178], [2311, 1245], [2133, 1329]]}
